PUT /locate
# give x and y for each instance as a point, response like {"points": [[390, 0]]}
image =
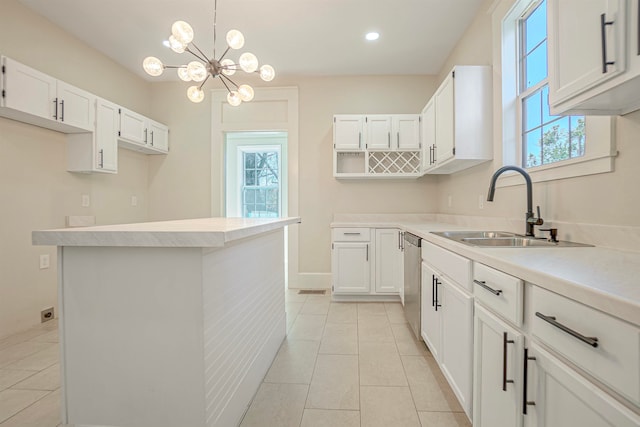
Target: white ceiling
{"points": [[297, 37]]}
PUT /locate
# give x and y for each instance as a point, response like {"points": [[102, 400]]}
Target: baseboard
{"points": [[313, 281]]}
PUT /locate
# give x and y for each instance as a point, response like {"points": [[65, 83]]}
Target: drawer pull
{"points": [[505, 341], [490, 289], [351, 234], [592, 341]]}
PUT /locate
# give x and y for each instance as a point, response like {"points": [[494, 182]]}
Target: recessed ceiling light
{"points": [[372, 36], [166, 43]]}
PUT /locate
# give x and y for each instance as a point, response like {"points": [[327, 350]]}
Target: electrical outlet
{"points": [[86, 201], [134, 200], [480, 201], [449, 200], [46, 315], [44, 261]]}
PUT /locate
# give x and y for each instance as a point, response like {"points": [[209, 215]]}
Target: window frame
{"points": [[599, 152]]}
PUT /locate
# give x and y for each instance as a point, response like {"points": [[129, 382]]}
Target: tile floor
{"points": [[341, 365], [352, 364]]}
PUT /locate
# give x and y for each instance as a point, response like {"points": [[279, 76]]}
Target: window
{"points": [[261, 185], [550, 147], [545, 138]]}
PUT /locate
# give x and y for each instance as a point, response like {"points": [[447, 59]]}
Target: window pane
{"points": [[250, 177], [532, 148], [261, 196], [249, 160], [532, 111], [555, 141], [536, 66], [577, 136], [536, 27]]}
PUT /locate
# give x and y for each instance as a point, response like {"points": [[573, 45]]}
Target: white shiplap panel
{"points": [[243, 322]]}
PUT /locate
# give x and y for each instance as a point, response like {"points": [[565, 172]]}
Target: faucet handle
{"points": [[538, 220], [538, 209]]}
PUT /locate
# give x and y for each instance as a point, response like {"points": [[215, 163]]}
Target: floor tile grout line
{"points": [[27, 407]]}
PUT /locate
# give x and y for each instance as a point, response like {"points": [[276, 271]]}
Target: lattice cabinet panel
{"points": [[394, 162]]}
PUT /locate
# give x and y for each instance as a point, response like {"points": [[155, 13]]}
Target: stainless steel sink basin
{"points": [[502, 239]]}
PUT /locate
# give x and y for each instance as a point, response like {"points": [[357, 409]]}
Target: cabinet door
{"points": [[378, 132], [577, 56], [445, 110], [158, 136], [431, 316], [106, 135], [29, 90], [133, 127], [387, 261], [76, 107], [428, 134], [406, 130], [347, 132], [563, 397], [457, 341], [351, 268], [497, 391]]}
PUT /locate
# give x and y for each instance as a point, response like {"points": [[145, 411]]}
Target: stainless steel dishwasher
{"points": [[412, 270]]}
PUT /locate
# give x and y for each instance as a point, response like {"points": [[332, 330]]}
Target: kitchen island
{"points": [[168, 323]]}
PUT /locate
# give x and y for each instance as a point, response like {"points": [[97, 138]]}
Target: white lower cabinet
{"points": [[497, 373], [447, 319], [558, 396], [366, 261]]}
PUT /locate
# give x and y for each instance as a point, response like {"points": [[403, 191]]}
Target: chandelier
{"points": [[203, 68]]}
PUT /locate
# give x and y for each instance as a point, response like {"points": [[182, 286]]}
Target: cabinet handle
{"points": [[351, 233], [437, 282], [592, 341], [62, 108], [152, 141], [505, 341], [490, 289], [435, 152], [359, 139], [367, 252], [398, 138], [55, 102], [603, 34], [525, 372], [433, 290], [389, 139], [145, 135], [101, 164]]}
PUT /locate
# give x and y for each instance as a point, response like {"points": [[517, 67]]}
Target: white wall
{"points": [[610, 199], [36, 192]]}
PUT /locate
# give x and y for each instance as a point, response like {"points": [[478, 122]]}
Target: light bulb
{"points": [[233, 98], [246, 92], [184, 74], [153, 66], [182, 32], [195, 94], [176, 45], [248, 62], [235, 39], [372, 36], [196, 71], [267, 73], [228, 63]]}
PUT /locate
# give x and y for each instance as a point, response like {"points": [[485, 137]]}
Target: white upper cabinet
{"points": [[140, 133], [36, 98], [594, 56], [461, 113], [428, 134], [378, 131], [347, 132], [406, 128]]}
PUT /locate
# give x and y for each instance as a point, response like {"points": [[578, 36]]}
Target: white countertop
{"points": [[606, 279], [203, 233]]}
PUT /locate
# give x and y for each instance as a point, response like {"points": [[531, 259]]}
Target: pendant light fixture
{"points": [[203, 68]]}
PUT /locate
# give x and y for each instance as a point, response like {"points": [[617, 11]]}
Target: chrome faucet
{"points": [[531, 221]]}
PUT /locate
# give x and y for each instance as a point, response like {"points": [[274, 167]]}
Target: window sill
{"points": [[569, 169]]}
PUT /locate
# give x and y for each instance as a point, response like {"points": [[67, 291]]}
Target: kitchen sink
{"points": [[502, 239]]}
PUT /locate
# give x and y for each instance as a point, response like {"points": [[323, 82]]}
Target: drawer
{"points": [[614, 359], [359, 234], [446, 262], [502, 293]]}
